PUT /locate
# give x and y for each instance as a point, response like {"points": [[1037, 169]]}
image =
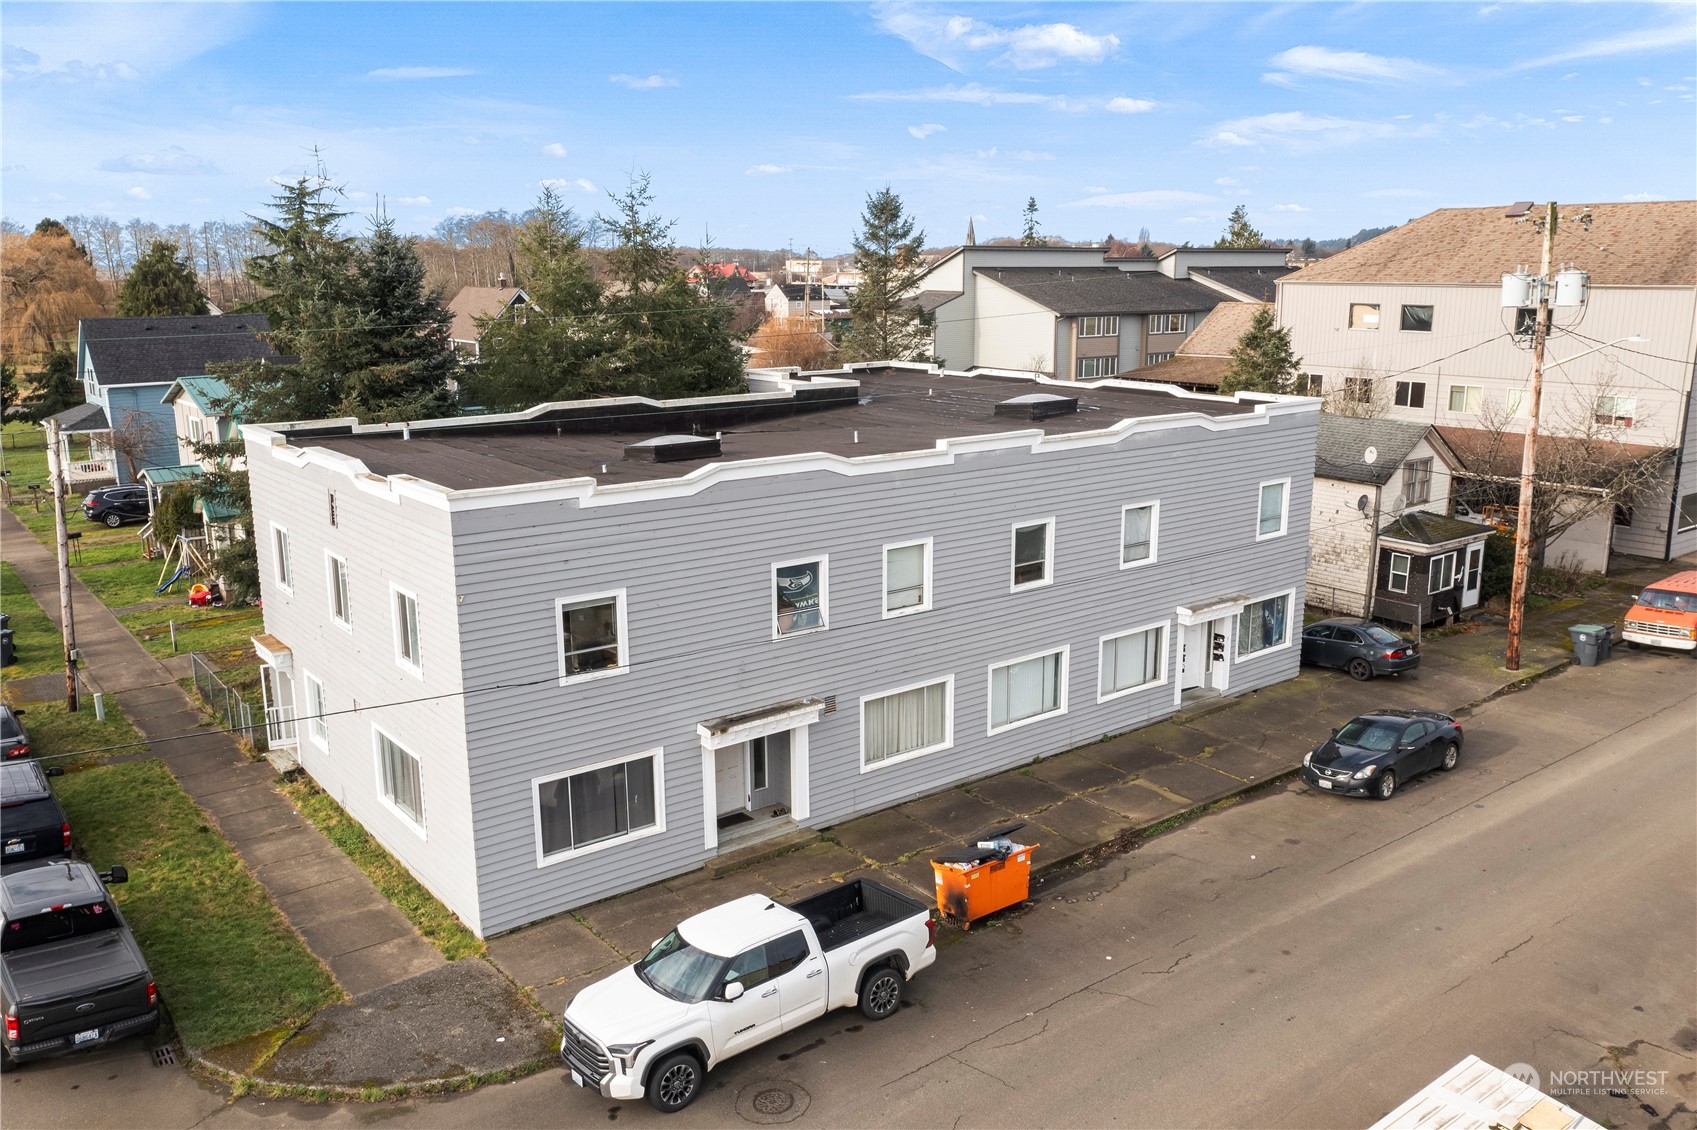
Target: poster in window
{"points": [[800, 607]]}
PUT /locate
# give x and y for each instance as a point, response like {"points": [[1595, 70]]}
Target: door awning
{"points": [[1202, 611], [733, 729], [274, 653]]}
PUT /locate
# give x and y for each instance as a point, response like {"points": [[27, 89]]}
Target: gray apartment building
{"points": [[551, 656]]}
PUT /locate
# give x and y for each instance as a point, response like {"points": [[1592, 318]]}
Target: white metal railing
{"points": [[280, 725]]}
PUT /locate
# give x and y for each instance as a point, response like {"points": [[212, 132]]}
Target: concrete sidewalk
{"points": [[368, 945], [1090, 798]]}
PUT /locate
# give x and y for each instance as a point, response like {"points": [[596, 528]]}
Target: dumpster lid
{"points": [[1589, 628], [999, 833], [963, 855]]}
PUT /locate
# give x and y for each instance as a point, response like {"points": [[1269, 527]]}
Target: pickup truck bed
{"points": [[852, 910]]}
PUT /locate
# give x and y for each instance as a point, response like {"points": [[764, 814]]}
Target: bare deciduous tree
{"points": [[133, 436], [783, 342], [1362, 393]]}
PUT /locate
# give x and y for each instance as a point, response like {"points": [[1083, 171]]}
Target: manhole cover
{"points": [[768, 1102], [164, 1057]]}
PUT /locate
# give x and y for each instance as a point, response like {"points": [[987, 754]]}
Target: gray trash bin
{"points": [[1588, 643]]}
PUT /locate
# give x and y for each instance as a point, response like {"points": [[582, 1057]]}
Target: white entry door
{"points": [[1193, 656], [1470, 578], [728, 780]]}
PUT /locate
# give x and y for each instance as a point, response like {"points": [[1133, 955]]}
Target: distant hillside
{"points": [[1361, 236]]}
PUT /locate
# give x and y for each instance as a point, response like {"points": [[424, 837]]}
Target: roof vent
{"points": [[672, 449], [1037, 406]]}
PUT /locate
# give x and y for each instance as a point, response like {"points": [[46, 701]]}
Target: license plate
{"points": [[1324, 784], [85, 1037], [578, 1079], [15, 848]]}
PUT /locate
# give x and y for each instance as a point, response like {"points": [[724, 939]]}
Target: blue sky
{"points": [[768, 124]]}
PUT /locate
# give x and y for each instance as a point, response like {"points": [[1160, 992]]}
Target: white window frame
{"points": [[317, 725], [1448, 560], [196, 428], [1154, 508], [281, 567], [1393, 573], [1472, 399], [657, 754], [1615, 416], [339, 582], [1157, 358], [925, 605], [1687, 514], [1110, 361], [617, 596], [1377, 316], [1284, 508], [1166, 627], [1293, 626], [413, 665], [823, 561], [948, 684], [378, 735], [1048, 554], [1106, 325], [990, 689], [1169, 323], [1406, 394], [1417, 472]]}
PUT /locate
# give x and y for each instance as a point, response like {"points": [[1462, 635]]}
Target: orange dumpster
{"points": [[983, 877]]}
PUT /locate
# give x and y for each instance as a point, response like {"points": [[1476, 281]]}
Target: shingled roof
{"points": [[1104, 290], [1259, 283], [1202, 360], [474, 302], [1647, 244], [1422, 527], [1340, 451], [140, 351]]}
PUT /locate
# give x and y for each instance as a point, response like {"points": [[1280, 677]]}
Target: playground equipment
{"points": [[188, 560]]}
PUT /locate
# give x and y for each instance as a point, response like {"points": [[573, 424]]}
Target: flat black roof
{"points": [[892, 410]]}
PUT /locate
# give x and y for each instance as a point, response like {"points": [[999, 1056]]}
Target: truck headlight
{"points": [[1364, 773], [624, 1055]]}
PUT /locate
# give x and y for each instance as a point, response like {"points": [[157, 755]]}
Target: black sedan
{"points": [[116, 505], [1362, 648], [1373, 753]]}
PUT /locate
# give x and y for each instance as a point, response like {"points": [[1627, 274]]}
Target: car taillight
{"points": [[152, 993], [11, 1027], [930, 932], [18, 751], [65, 834]]}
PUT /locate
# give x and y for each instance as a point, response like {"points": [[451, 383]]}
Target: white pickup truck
{"points": [[735, 976]]}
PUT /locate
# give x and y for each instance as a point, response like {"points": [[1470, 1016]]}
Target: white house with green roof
{"points": [[196, 404]]}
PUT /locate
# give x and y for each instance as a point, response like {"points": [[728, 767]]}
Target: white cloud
{"points": [[971, 93], [1227, 182], [138, 193], [1642, 197], [413, 201], [767, 170], [1606, 121], [1573, 117], [172, 160], [1129, 106], [1154, 198], [116, 42], [1570, 75], [407, 74], [1288, 208], [568, 185], [458, 211], [955, 40], [1299, 132], [634, 82], [1352, 66], [926, 130], [1096, 189], [1675, 35], [554, 150]]}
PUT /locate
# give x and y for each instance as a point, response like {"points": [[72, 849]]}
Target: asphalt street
{"points": [[1298, 960]]}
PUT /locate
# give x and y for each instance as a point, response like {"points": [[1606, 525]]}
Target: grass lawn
{"points": [[227, 964], [39, 646], [216, 630], [62, 738], [436, 922]]}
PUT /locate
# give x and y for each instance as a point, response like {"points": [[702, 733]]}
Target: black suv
{"points": [[32, 825], [116, 505]]}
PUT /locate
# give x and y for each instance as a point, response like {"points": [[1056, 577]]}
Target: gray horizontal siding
{"points": [[697, 571]]}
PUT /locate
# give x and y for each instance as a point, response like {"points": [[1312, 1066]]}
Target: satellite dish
{"points": [[1371, 455], [1399, 502], [1361, 504]]}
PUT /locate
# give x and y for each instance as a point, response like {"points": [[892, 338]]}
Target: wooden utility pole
{"points": [[1529, 453], [56, 472]]}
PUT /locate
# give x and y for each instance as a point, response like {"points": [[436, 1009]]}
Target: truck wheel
{"points": [[674, 1082], [881, 994]]}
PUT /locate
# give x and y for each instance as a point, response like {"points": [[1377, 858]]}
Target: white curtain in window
{"points": [[905, 577], [1138, 526], [1025, 689], [1272, 508], [910, 720], [1131, 660], [401, 782]]}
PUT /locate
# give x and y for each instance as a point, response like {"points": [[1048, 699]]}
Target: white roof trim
{"points": [[759, 724], [1202, 611]]}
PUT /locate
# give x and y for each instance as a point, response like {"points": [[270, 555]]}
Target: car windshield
{"points": [[679, 970], [1381, 635], [1668, 601], [1369, 733], [57, 925]]}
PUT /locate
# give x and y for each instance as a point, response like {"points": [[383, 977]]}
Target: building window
{"points": [[1132, 662], [1031, 554], [1411, 394], [194, 429], [1417, 319], [337, 568], [907, 578], [1617, 410], [317, 726], [1440, 573], [1363, 315], [799, 603], [1169, 323], [1416, 481], [1398, 581], [592, 635], [399, 777], [1091, 368], [1688, 513], [1358, 389], [1263, 625], [1274, 495], [1099, 327], [906, 723], [1467, 398], [1515, 401], [332, 495], [1623, 514], [1312, 384], [1525, 321], [1156, 358], [1138, 530], [1027, 689], [611, 801], [280, 551], [406, 631]]}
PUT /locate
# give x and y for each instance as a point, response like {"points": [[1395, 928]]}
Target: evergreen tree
{"points": [[56, 386], [8, 387], [1238, 231], [159, 285], [1261, 361], [1028, 233], [399, 368], [886, 325], [1309, 249], [225, 490]]}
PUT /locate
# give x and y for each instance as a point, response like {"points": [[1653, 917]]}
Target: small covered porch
{"points": [[85, 445], [754, 772]]}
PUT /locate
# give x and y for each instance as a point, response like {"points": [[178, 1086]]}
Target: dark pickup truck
{"points": [[32, 825], [71, 974]]}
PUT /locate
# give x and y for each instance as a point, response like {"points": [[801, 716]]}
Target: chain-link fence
{"points": [[225, 702]]}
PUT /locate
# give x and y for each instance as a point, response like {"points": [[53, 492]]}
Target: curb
{"points": [[241, 1085]]}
